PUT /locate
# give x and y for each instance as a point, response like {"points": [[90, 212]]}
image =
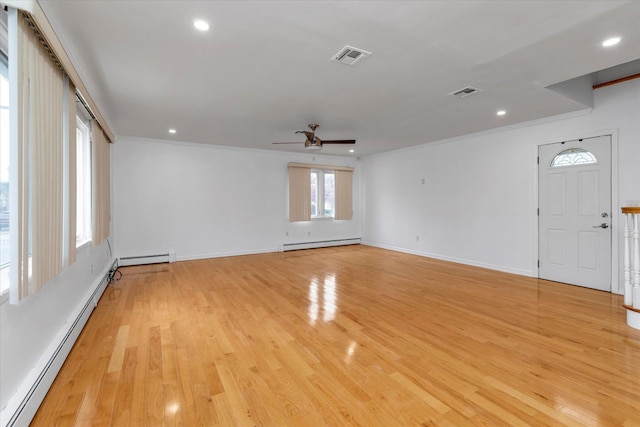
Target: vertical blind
{"points": [[72, 174], [44, 173], [300, 191], [100, 184], [344, 203], [40, 149]]}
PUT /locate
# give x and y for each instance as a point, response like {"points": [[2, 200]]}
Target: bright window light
{"points": [[5, 186], [83, 183], [322, 193], [501, 113], [172, 131]]}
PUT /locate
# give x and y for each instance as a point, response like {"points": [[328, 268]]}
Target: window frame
{"points": [[300, 191], [573, 157], [84, 230], [4, 59], [320, 199]]}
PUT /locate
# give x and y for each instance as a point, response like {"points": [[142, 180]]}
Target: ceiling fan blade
{"points": [[314, 142], [339, 141]]}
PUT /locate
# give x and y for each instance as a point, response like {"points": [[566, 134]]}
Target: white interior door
{"points": [[574, 197]]}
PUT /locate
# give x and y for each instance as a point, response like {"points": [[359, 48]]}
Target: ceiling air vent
{"points": [[465, 91], [349, 55]]}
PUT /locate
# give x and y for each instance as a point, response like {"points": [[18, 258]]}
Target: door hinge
{"points": [[538, 159], [538, 263], [538, 211]]}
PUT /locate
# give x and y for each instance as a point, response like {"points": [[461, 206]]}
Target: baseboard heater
{"points": [[320, 244], [27, 408], [147, 259]]}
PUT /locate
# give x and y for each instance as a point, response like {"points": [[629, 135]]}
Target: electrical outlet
{"points": [[418, 238], [423, 181], [308, 233], [286, 233]]}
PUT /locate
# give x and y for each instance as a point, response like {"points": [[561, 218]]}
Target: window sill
{"points": [[82, 245], [4, 294], [322, 218]]}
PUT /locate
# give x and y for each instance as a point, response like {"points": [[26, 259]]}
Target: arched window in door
{"points": [[573, 156]]}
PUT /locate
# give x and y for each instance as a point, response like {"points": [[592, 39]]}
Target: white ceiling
{"points": [[264, 70]]}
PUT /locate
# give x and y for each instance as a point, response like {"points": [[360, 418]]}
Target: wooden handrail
{"points": [[630, 209], [616, 81]]}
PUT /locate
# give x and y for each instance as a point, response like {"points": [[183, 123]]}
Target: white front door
{"points": [[574, 223]]}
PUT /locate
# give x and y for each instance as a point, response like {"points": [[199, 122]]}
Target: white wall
{"points": [[478, 203], [206, 201], [476, 206], [31, 330]]}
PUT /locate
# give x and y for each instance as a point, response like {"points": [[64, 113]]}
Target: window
{"points": [[322, 193], [83, 183], [52, 161], [573, 156], [4, 156]]}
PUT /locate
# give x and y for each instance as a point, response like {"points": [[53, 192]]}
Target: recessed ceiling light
{"points": [[501, 112], [352, 151], [611, 42], [172, 131], [201, 25]]}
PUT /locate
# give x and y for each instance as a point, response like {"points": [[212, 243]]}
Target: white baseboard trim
{"points": [[25, 402], [172, 257], [519, 272], [320, 244], [226, 254], [161, 258], [147, 259]]}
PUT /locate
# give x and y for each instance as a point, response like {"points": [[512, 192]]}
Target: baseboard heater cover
{"points": [[147, 259], [320, 244], [27, 408]]}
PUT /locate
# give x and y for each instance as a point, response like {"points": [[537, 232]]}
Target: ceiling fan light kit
{"points": [[312, 146]]}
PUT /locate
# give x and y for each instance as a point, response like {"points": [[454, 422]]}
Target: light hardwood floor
{"points": [[347, 336]]}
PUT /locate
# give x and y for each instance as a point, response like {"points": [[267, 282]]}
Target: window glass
{"points": [[83, 183], [329, 194], [314, 193], [5, 224], [573, 156], [322, 193]]}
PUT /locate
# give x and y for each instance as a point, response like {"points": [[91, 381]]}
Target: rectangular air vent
{"points": [[349, 55], [465, 91]]}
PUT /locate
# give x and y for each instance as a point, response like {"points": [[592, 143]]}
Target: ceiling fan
{"points": [[315, 143]]}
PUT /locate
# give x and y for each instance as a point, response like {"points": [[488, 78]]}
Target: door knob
{"points": [[603, 225]]}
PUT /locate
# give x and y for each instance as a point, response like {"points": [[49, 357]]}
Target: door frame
{"points": [[616, 286]]}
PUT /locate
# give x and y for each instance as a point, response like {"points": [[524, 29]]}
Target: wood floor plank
{"points": [[347, 336]]}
